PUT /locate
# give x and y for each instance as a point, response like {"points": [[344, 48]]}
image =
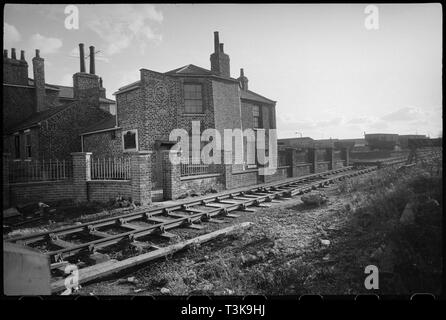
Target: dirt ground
{"points": [[286, 250]]}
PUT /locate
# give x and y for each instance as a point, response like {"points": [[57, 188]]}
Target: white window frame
{"points": [[136, 138]]}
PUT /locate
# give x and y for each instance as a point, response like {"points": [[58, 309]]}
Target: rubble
{"points": [[314, 198], [408, 215]]}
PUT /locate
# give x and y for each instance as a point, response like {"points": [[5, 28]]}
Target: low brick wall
{"points": [[339, 164], [40, 191], [199, 184], [281, 173], [106, 190], [322, 166], [302, 169], [244, 178]]}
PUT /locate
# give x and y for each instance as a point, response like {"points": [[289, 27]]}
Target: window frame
{"points": [[28, 152], [135, 131], [257, 118], [201, 98], [17, 147]]}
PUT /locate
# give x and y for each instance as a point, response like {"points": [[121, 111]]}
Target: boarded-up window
{"points": [[193, 98], [130, 140]]}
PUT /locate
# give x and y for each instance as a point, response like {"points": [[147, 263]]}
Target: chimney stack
{"points": [[216, 42], [5, 53], [13, 54], [22, 55], [82, 56], [39, 81], [92, 66], [219, 59], [243, 80]]}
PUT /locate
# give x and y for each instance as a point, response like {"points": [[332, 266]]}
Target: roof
{"points": [[107, 124], [37, 117], [106, 100], [191, 69], [129, 87], [252, 96]]}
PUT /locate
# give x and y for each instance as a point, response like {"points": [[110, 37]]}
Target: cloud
{"points": [[10, 34], [119, 26], [406, 114], [45, 44], [67, 80]]}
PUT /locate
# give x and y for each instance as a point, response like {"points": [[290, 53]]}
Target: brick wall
{"points": [[41, 191], [60, 135], [200, 184], [18, 104], [106, 190], [322, 166], [103, 145], [244, 178], [280, 174]]}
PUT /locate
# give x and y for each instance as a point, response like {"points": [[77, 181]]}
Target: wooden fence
{"points": [[110, 168]]}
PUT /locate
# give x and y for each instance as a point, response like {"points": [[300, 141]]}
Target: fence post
{"points": [[6, 194], [312, 152], [81, 174], [141, 177], [172, 175]]}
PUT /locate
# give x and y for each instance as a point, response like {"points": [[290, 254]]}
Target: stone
{"points": [[11, 212], [408, 215], [97, 257], [164, 290], [325, 242], [314, 198]]}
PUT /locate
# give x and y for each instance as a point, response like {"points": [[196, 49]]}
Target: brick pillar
{"points": [[313, 159], [331, 164], [226, 170], [141, 177], [290, 160], [81, 174], [346, 156], [172, 175], [6, 194]]}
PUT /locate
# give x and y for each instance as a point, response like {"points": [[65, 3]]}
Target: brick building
{"points": [[149, 109], [44, 121]]}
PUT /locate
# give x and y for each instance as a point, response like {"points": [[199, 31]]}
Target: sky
{"points": [[332, 77]]}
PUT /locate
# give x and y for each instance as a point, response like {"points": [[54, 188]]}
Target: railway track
{"points": [[146, 227]]}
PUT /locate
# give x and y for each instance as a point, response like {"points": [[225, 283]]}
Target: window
{"points": [[193, 98], [257, 117], [17, 146], [130, 140], [28, 145]]}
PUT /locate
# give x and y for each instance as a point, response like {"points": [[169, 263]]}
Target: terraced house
{"points": [[42, 120]]}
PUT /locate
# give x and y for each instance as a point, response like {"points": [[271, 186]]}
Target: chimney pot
{"points": [[221, 48], [216, 42], [5, 53], [92, 66], [242, 73], [13, 54], [37, 53], [22, 55], [82, 56]]}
